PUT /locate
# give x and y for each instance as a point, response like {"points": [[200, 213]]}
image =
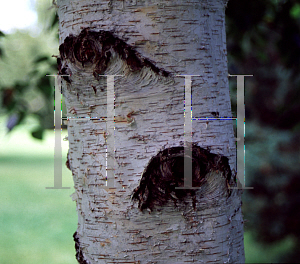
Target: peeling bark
{"points": [[79, 255], [165, 172], [96, 48]]}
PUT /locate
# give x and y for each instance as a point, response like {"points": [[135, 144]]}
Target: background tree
{"points": [[264, 40], [149, 43]]}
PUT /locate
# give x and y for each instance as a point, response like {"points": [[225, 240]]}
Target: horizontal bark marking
{"points": [[165, 172], [96, 47]]}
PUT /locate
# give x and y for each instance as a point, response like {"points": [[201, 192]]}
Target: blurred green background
{"points": [[263, 39], [36, 224]]}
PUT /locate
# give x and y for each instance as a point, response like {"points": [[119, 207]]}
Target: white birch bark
{"points": [[182, 38]]}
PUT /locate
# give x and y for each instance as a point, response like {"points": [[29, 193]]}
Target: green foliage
{"points": [[44, 86], [263, 39], [1, 50], [25, 90], [295, 11], [38, 133], [265, 253]]}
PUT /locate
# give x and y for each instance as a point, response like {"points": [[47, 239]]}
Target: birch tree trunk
{"points": [[149, 43]]}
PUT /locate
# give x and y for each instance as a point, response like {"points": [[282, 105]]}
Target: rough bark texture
{"points": [[149, 42]]}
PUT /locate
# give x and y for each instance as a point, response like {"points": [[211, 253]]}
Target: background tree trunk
{"points": [[149, 42]]}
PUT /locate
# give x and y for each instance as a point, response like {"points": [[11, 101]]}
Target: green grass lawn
{"points": [[37, 224]]}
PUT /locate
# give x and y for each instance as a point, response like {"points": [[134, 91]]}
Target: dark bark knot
{"points": [[165, 171], [68, 162], [96, 47], [79, 255]]}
